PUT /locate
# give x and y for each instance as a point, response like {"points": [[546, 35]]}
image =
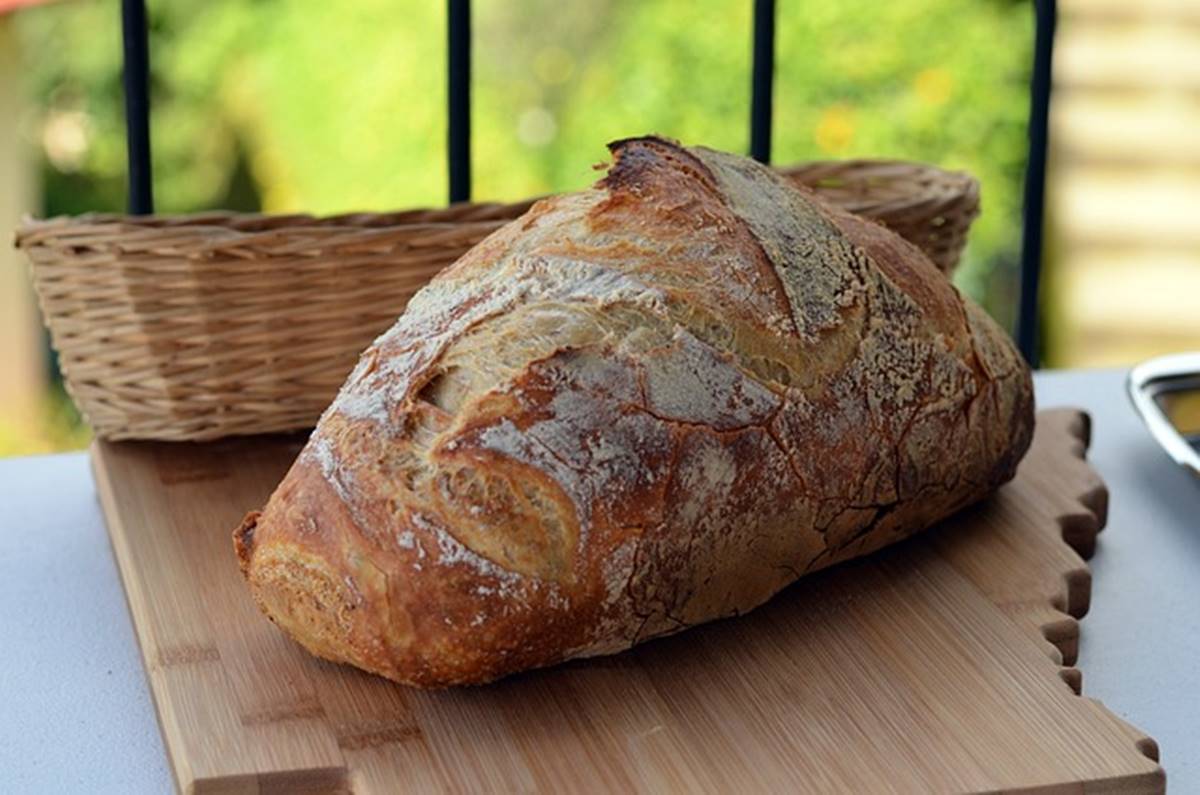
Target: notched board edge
{"points": [[1079, 531]]}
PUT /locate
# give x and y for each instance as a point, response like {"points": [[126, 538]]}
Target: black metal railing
{"points": [[136, 76], [458, 98], [458, 134], [1033, 209], [762, 80]]}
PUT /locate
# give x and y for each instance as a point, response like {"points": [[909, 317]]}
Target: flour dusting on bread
{"points": [[638, 407]]}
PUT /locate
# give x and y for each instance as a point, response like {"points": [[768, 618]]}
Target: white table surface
{"points": [[76, 714]]}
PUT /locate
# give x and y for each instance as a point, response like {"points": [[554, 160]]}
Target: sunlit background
{"points": [[283, 105]]}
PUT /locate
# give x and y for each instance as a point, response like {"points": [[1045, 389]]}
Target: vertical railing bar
{"points": [[762, 80], [458, 90], [136, 77], [1033, 215]]}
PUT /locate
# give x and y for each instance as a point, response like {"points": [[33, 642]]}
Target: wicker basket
{"points": [[202, 326]]}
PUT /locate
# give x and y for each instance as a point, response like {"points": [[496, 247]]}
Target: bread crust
{"points": [[639, 407]]}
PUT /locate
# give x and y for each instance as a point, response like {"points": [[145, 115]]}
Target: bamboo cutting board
{"points": [[934, 666]]}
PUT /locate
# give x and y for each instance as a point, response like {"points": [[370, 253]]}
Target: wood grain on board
{"points": [[935, 665]]}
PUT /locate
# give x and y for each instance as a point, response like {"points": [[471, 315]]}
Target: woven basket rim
{"points": [[232, 224], [31, 228]]}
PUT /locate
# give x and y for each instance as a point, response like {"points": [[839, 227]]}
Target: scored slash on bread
{"points": [[636, 408]]}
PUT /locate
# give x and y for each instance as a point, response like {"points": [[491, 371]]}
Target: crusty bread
{"points": [[637, 408]]}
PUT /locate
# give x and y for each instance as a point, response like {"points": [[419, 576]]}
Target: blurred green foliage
{"points": [[290, 105], [55, 426]]}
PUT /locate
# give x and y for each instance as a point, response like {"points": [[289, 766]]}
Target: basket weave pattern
{"points": [[202, 326]]}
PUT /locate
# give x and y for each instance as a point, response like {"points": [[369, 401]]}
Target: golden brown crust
{"points": [[637, 408]]}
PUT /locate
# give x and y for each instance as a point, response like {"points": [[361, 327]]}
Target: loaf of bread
{"points": [[637, 408]]}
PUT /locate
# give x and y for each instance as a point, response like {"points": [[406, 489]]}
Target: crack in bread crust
{"points": [[637, 408]]}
